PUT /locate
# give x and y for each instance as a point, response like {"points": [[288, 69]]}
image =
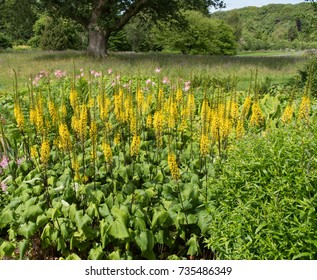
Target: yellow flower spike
{"points": [[149, 121], [304, 109], [33, 152], [65, 139], [91, 103], [107, 152], [246, 107], [83, 122], [135, 145], [204, 144], [140, 100], [158, 127], [40, 119], [18, 115], [33, 116], [45, 151], [205, 112], [184, 118], [288, 113], [73, 98], [179, 96], [191, 105], [133, 124], [53, 111], [172, 163], [172, 116], [63, 111], [85, 179], [215, 126], [240, 128], [257, 117], [93, 132], [234, 111], [117, 139], [75, 166]]}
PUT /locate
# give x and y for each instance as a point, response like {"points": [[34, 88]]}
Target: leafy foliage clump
{"points": [[5, 41], [57, 34]]}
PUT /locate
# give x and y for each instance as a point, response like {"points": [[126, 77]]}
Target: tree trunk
{"points": [[97, 43]]}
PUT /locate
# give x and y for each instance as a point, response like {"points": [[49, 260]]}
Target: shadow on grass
{"points": [[59, 55]]}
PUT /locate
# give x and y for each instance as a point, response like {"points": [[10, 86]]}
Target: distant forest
{"points": [[271, 27], [275, 26]]}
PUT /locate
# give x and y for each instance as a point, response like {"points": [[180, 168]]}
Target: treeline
{"points": [[275, 26], [193, 33]]}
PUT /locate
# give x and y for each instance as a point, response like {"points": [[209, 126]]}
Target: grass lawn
{"points": [[278, 69]]}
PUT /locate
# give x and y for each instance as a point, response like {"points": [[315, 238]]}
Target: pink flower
{"points": [[165, 81], [187, 86], [158, 70], [95, 73], [20, 160], [148, 81], [3, 186], [4, 162], [109, 71], [59, 74]]}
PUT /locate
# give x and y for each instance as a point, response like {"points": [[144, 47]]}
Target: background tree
{"points": [[202, 35], [102, 18], [17, 18]]}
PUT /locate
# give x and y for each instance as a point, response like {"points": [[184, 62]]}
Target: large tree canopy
{"points": [[101, 18]]}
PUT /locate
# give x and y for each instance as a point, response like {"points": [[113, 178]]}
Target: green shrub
{"points": [[264, 201], [5, 41], [57, 34]]}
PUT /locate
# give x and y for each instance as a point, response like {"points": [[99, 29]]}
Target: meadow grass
{"points": [[27, 63]]}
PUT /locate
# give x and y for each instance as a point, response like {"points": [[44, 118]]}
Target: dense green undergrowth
{"points": [[101, 167]]}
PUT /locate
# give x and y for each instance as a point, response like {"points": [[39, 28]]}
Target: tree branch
{"points": [[134, 9]]}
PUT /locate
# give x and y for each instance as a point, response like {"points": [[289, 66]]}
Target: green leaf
{"points": [[6, 218], [65, 231], [92, 210], [119, 214], [159, 177], [33, 211], [23, 246], [41, 220], [6, 249], [204, 221], [262, 225], [53, 213], [72, 211], [145, 240], [47, 235], [73, 257], [104, 210], [96, 253], [27, 230], [115, 255], [104, 237], [159, 217], [123, 172], [81, 220], [193, 246], [118, 230], [303, 256], [269, 104]]}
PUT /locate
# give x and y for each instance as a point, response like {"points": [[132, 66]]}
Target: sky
{"points": [[236, 4]]}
